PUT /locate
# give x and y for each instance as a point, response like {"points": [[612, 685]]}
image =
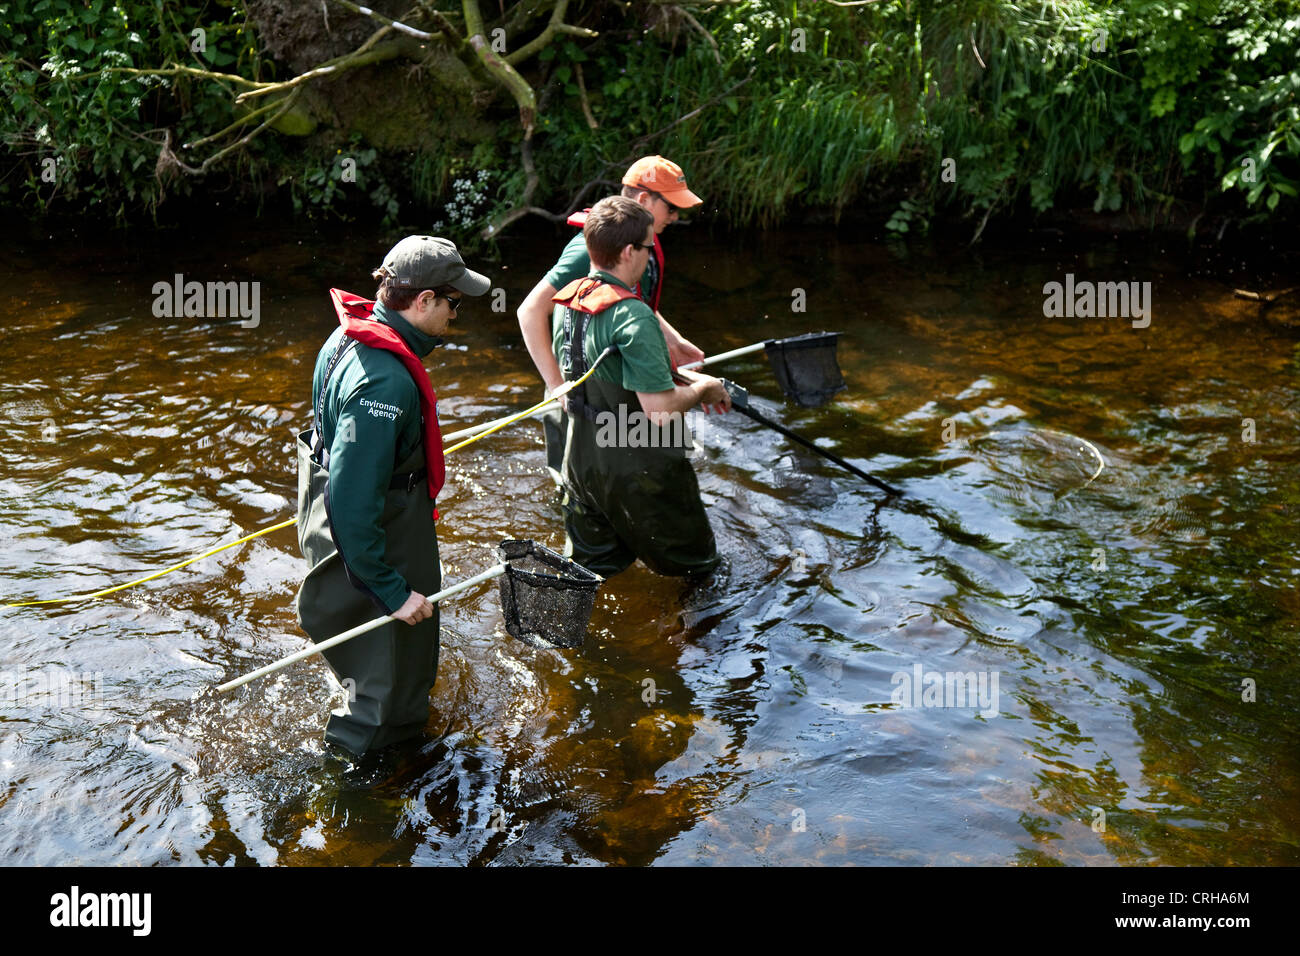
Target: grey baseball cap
{"points": [[424, 262]]}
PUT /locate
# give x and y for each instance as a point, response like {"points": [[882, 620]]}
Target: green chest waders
{"points": [[554, 433], [630, 492], [389, 672]]}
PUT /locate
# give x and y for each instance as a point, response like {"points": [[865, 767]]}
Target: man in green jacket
{"points": [[630, 490], [368, 474]]}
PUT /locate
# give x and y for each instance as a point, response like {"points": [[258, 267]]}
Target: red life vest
{"points": [[579, 219], [356, 317]]}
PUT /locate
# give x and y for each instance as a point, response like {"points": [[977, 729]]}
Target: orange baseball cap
{"points": [[663, 177]]}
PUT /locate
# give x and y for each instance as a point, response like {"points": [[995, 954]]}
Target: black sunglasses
{"points": [[454, 303]]}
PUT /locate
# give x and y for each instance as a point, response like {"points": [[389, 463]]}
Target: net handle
{"points": [[467, 435], [740, 402], [723, 356], [306, 652], [737, 353]]}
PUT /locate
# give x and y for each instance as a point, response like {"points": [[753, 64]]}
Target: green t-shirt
{"points": [[575, 263], [640, 364]]}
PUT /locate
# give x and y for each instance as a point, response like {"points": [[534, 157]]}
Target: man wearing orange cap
{"points": [[660, 187], [630, 491]]}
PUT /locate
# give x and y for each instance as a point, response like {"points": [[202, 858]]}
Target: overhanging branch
{"points": [[393, 24], [553, 26], [369, 52], [500, 69]]}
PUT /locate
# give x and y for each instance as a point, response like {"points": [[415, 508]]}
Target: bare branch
{"points": [[394, 24], [518, 213], [169, 160], [693, 113], [520, 15], [242, 121], [979, 59], [364, 55], [582, 97], [717, 54], [500, 69], [576, 202], [1268, 298], [555, 25], [525, 208], [170, 71], [530, 185]]}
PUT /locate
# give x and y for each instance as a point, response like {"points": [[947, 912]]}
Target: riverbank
{"points": [[905, 115]]}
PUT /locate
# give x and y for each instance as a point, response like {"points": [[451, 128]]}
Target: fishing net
{"points": [[806, 368], [546, 598]]}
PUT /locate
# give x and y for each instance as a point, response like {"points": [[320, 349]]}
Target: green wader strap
{"points": [[401, 478], [318, 445], [575, 331]]}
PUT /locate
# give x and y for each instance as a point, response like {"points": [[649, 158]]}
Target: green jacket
{"points": [[371, 421]]}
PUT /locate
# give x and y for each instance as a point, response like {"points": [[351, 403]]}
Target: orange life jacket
{"points": [[591, 295], [581, 298]]}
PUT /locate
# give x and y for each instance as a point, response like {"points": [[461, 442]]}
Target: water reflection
{"points": [[751, 721]]}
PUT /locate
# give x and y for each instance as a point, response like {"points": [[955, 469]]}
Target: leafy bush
{"points": [[1044, 105], [966, 107], [82, 129]]}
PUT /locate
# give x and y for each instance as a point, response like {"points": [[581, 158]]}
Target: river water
{"points": [[1131, 635]]}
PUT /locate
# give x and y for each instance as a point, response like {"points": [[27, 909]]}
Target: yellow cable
{"points": [[563, 390], [158, 574], [292, 521], [500, 425]]}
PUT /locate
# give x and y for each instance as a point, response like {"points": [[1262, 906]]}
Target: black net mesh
{"points": [[806, 368], [546, 598]]}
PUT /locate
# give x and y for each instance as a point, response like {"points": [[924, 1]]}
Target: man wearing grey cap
{"points": [[368, 474]]}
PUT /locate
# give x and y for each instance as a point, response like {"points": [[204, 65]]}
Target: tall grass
{"points": [[1016, 95], [810, 141]]}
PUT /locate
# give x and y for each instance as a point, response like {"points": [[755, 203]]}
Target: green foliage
{"points": [[331, 186], [907, 216], [1057, 104], [804, 128], [1252, 139], [1079, 98], [969, 107], [68, 101]]}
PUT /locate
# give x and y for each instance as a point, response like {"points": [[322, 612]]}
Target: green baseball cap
{"points": [[425, 262]]}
